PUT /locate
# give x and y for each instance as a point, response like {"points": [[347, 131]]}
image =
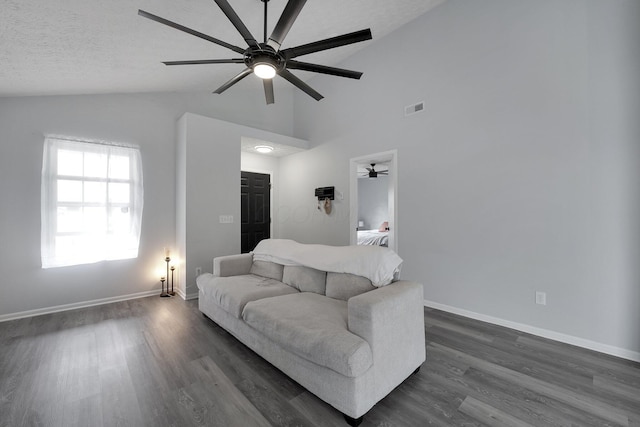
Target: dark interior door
{"points": [[256, 205]]}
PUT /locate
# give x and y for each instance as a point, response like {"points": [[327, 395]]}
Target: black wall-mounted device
{"points": [[325, 193]]}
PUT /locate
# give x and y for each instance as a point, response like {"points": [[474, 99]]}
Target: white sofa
{"points": [[345, 340]]}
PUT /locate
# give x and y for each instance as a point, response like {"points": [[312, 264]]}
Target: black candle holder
{"points": [[163, 294], [168, 260], [171, 292]]}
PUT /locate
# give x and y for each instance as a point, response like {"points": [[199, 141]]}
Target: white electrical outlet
{"points": [[541, 298], [198, 271]]}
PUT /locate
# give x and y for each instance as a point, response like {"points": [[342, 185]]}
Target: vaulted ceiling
{"points": [[102, 46]]}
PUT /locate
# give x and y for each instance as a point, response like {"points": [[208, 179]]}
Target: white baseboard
{"points": [[181, 293], [83, 304], [545, 333], [192, 296]]}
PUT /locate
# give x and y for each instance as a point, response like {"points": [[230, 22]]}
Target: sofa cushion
{"points": [[344, 285], [234, 292], [267, 269], [313, 327], [305, 279]]}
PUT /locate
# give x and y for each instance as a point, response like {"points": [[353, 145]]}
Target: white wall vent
{"points": [[413, 109]]}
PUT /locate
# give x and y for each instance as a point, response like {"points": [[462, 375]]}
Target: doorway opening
{"points": [[255, 209], [365, 214]]}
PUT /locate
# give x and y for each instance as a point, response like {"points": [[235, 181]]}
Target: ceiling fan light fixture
{"points": [[264, 70], [267, 59], [264, 149]]}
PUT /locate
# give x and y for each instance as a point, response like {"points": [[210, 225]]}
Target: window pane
{"points": [[69, 191], [66, 245], [95, 192], [69, 220], [79, 249], [95, 220], [119, 167], [118, 193], [88, 214], [119, 221], [95, 165], [69, 163]]}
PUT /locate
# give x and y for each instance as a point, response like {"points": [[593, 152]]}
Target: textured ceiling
{"points": [[103, 46]]}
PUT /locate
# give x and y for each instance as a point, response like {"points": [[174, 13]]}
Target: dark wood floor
{"points": [[159, 362]]}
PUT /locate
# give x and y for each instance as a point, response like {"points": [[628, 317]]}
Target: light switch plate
{"points": [[541, 298], [226, 219]]}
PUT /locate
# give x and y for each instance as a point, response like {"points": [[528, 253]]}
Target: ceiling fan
{"points": [[373, 173], [266, 60]]}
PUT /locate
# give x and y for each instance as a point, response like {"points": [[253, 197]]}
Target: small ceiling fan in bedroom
{"points": [[373, 173], [266, 60]]}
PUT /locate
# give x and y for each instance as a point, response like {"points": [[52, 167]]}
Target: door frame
{"points": [[270, 173], [390, 157]]}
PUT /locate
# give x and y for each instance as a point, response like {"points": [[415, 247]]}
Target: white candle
{"points": [[167, 252]]}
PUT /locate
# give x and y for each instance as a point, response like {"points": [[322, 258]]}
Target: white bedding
{"points": [[373, 237], [378, 264]]}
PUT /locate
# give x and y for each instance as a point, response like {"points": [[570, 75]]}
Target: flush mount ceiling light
{"points": [[266, 60], [264, 149]]}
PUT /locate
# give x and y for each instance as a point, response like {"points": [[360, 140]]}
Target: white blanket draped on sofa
{"points": [[379, 264]]}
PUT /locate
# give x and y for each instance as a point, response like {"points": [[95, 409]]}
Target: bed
{"points": [[373, 237]]}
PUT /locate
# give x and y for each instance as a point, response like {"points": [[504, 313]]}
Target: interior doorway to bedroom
{"points": [[373, 200]]}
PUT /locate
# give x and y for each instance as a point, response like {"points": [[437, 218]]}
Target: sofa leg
{"points": [[417, 370], [355, 422]]}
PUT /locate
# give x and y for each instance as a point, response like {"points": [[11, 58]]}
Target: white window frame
{"points": [[90, 245]]}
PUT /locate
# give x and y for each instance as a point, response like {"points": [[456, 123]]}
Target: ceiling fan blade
{"points": [[288, 17], [206, 61], [286, 74], [330, 43], [305, 66], [237, 22], [268, 91], [234, 80], [189, 31]]}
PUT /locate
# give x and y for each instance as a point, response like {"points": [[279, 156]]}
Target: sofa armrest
{"points": [[391, 320], [232, 265]]}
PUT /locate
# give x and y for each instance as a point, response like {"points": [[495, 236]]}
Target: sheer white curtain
{"points": [[92, 201]]}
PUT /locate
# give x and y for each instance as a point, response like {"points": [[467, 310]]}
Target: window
{"points": [[92, 201]]}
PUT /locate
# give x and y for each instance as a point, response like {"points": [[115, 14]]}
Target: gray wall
{"points": [[148, 120], [373, 198], [300, 174], [520, 176], [209, 186]]}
